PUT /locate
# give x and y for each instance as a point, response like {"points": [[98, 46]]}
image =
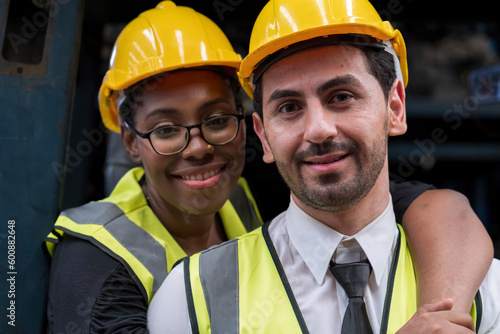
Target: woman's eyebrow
{"points": [[162, 111]]}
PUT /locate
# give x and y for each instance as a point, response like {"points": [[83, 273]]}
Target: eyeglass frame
{"points": [[147, 135]]}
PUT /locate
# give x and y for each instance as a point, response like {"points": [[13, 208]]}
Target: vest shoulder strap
{"points": [[211, 295], [401, 296], [106, 226], [245, 206]]}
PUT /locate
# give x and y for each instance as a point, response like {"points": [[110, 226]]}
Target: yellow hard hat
{"points": [[161, 39], [282, 23]]}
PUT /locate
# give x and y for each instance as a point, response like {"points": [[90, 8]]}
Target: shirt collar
{"points": [[316, 242]]}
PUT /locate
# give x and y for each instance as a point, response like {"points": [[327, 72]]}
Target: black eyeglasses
{"points": [[173, 139]]}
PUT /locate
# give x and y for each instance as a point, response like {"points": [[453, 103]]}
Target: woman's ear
{"points": [[397, 109], [258, 127], [130, 143]]}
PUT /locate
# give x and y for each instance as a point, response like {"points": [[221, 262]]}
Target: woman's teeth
{"points": [[201, 177]]}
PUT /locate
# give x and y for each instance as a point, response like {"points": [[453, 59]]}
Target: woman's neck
{"points": [[192, 232]]}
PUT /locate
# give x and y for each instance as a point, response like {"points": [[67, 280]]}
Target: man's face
{"points": [[325, 124]]}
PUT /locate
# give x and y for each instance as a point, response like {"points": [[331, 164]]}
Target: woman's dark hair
{"points": [[135, 95]]}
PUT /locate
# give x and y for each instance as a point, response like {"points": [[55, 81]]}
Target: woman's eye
{"points": [[167, 131], [216, 121]]}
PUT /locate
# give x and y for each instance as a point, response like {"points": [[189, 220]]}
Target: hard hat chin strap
{"points": [[389, 48]]}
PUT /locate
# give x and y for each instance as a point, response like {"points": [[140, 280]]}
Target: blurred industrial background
{"points": [[453, 105], [53, 144]]}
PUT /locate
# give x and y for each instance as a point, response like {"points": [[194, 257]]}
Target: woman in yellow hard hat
{"points": [[172, 93]]}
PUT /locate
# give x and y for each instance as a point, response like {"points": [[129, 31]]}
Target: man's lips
{"points": [[325, 159], [324, 164]]}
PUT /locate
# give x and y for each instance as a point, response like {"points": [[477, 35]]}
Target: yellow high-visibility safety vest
{"points": [[217, 302], [125, 227]]}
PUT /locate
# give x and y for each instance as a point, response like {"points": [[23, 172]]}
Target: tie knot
{"points": [[353, 277]]}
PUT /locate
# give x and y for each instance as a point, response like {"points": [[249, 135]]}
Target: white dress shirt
{"points": [[305, 247]]}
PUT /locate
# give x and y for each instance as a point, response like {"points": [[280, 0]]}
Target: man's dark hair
{"points": [[380, 64], [135, 95]]}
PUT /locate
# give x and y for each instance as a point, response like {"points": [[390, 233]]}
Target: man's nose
{"points": [[320, 124]]}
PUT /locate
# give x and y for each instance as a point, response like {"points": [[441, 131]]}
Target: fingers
{"points": [[443, 305], [460, 319], [454, 317], [439, 318]]}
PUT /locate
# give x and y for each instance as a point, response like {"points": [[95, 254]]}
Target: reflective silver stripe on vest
{"points": [[220, 286], [245, 209], [137, 241]]}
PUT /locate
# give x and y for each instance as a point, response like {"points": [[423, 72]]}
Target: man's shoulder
{"points": [[493, 275], [494, 271], [490, 299]]}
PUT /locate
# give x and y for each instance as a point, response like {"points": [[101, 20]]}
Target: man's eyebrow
{"points": [[338, 81], [281, 93]]}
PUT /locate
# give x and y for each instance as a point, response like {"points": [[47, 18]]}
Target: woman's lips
{"points": [[202, 179], [201, 176]]}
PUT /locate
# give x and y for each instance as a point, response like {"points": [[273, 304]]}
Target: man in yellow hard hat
{"points": [[328, 81]]}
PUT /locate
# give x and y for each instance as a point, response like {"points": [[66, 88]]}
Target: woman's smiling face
{"points": [[198, 180]]}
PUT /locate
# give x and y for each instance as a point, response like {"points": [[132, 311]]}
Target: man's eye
{"points": [[339, 98], [288, 108]]}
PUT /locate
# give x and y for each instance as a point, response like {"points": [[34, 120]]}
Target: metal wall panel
{"points": [[39, 41]]}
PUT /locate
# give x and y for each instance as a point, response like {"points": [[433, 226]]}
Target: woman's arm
{"points": [[451, 249], [90, 292]]}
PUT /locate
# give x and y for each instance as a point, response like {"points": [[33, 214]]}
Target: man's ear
{"points": [[258, 127], [397, 109], [130, 143]]}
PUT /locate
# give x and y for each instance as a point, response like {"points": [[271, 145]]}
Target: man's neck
{"points": [[353, 219]]}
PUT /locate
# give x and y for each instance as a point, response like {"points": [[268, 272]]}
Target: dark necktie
{"points": [[353, 277]]}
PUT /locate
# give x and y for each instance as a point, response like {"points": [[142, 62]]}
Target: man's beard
{"points": [[333, 192]]}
